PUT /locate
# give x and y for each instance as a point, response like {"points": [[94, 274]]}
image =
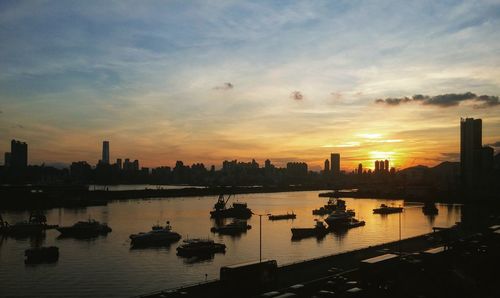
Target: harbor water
{"points": [[106, 266]]}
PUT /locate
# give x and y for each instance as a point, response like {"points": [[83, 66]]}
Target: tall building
{"points": [[386, 165], [470, 149], [119, 163], [18, 154], [327, 166], [105, 152], [6, 160], [360, 169], [335, 164], [377, 166]]}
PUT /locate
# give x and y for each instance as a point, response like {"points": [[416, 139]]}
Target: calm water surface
{"points": [[107, 267]]}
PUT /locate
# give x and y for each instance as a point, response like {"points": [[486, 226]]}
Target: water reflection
{"points": [[85, 263]]}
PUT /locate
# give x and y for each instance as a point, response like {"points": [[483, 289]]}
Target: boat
{"points": [[430, 208], [157, 236], [333, 205], [282, 216], [200, 247], [384, 209], [88, 228], [318, 230], [36, 224], [236, 227], [41, 255], [237, 210], [338, 218], [351, 223]]}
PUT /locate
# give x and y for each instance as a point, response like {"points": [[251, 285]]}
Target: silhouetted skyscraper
{"points": [[327, 166], [335, 164], [386, 165], [470, 149], [105, 152], [6, 159], [18, 154], [377, 166], [360, 169], [119, 163]]}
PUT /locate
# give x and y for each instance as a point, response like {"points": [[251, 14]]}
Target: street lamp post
{"points": [[260, 235]]}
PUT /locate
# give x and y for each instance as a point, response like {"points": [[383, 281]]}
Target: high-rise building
{"points": [[119, 163], [386, 165], [335, 164], [327, 166], [360, 169], [377, 166], [18, 154], [105, 152], [6, 160], [470, 149]]}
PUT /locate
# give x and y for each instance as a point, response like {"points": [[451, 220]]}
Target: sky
{"points": [[206, 81]]}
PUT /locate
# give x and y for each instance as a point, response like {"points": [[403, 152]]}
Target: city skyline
{"points": [[207, 82]]}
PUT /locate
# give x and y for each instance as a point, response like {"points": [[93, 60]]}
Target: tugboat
{"points": [[90, 228], [200, 247], [36, 224], [338, 217], [237, 210], [318, 230], [238, 226], [157, 236], [282, 216], [41, 255], [384, 209], [333, 205], [430, 208]]}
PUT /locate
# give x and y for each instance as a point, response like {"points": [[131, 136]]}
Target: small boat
{"points": [[384, 209], [237, 210], [90, 228], [282, 216], [318, 230], [41, 255], [338, 217], [157, 236], [36, 224], [200, 247], [236, 227], [430, 208]]}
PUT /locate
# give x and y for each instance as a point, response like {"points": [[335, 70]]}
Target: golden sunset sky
{"points": [[205, 81]]}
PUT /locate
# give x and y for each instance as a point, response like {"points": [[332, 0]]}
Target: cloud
{"points": [[496, 144], [297, 95], [225, 86], [445, 100]]}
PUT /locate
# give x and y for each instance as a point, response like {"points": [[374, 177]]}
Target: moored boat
{"points": [[237, 226], [333, 205], [41, 255], [384, 209], [318, 230], [351, 223], [237, 210], [338, 217], [282, 216], [36, 224], [200, 247], [157, 236], [88, 228]]}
